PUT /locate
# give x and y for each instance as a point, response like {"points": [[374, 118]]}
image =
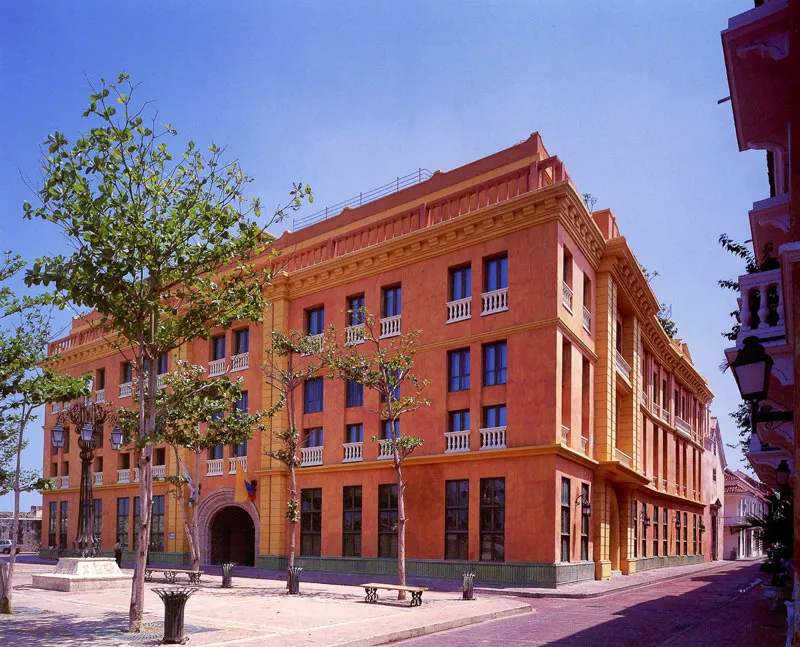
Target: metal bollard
{"points": [[293, 576], [468, 586], [174, 605], [227, 575]]}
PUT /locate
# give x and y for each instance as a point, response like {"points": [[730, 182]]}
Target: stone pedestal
{"points": [[83, 574]]}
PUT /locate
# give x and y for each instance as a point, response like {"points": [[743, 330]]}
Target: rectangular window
{"points": [[97, 522], [312, 395], [459, 420], [241, 341], [314, 437], [636, 529], [315, 321], [311, 522], [157, 526], [123, 516], [351, 521], [619, 336], [100, 379], [714, 473], [387, 520], [495, 362], [63, 522], [585, 522], [241, 406], [163, 363], [355, 310], [218, 347], [587, 293], [386, 429], [493, 520], [354, 433], [391, 305], [495, 273], [665, 530], [685, 533], [460, 282], [644, 530], [458, 370], [494, 416], [354, 394], [566, 520], [136, 522], [656, 519], [52, 524], [127, 373], [456, 519], [566, 267], [215, 452], [694, 534]]}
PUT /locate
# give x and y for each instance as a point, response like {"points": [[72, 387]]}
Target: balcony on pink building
{"points": [[761, 312]]}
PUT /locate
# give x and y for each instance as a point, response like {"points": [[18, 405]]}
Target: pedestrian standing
{"points": [[118, 553]]}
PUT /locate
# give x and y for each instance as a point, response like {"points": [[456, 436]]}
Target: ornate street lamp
{"points": [[117, 437], [88, 420], [782, 474], [585, 503], [645, 518], [677, 520]]}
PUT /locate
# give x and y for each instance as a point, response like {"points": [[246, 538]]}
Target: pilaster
{"points": [[601, 519], [605, 370]]}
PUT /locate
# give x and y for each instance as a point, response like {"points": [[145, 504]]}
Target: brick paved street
{"points": [[719, 607]]}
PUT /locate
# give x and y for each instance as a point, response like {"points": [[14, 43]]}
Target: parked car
{"points": [[5, 546]]}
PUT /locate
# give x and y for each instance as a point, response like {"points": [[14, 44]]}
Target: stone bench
{"points": [[372, 592]]}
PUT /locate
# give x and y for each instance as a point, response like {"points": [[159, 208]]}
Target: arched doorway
{"points": [[233, 537]]}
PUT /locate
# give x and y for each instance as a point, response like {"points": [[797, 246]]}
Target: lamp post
{"points": [[585, 503], [88, 420]]}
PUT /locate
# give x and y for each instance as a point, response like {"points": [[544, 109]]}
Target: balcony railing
{"points": [[683, 426], [159, 472], [214, 467], [494, 301], [311, 456], [762, 312], [232, 464], [656, 410], [240, 362], [87, 399], [97, 478], [459, 310], [664, 484], [124, 476], [456, 441], [585, 445], [587, 319], [353, 452], [565, 434], [161, 380], [354, 335], [64, 482], [645, 399], [314, 344], [493, 438], [100, 396], [622, 457], [623, 367], [390, 326], [566, 296], [216, 367], [665, 414], [125, 390], [55, 407], [736, 520], [384, 449], [135, 474]]}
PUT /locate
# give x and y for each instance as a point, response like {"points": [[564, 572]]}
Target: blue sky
{"points": [[348, 95]]}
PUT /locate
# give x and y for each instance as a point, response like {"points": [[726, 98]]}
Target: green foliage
{"points": [[293, 511], [664, 314], [777, 525]]}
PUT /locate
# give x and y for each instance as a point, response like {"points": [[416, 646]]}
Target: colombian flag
{"points": [[245, 490]]}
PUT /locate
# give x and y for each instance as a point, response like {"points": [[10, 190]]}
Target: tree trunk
{"points": [[189, 523], [8, 576], [401, 526], [292, 523]]}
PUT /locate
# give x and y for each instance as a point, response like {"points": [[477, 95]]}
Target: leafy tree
{"points": [[164, 248], [387, 368], [289, 362], [664, 314], [777, 525], [589, 200], [196, 414]]}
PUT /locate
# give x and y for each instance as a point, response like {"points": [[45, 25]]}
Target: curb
{"points": [[425, 630], [527, 593]]}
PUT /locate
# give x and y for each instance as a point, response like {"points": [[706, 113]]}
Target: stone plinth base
{"points": [[83, 574]]}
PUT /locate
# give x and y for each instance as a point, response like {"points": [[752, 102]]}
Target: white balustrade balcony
{"points": [[384, 449], [214, 467], [585, 445], [55, 407], [124, 476], [656, 410], [587, 319], [353, 452], [232, 464], [663, 484], [566, 296], [645, 399], [665, 414], [159, 472], [459, 310], [762, 311], [97, 478], [623, 367], [161, 380], [125, 390], [683, 426], [314, 344], [135, 474], [87, 399], [240, 362], [456, 441], [311, 456], [565, 435], [493, 438], [622, 457], [100, 396], [390, 326], [354, 335], [64, 482], [494, 301], [216, 367]]}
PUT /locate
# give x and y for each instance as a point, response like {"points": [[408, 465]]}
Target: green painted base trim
{"points": [[664, 561], [528, 573]]}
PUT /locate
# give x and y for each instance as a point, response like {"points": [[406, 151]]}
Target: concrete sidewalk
{"points": [[254, 612]]}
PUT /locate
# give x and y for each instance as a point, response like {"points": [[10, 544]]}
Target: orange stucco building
{"points": [[552, 385]]}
